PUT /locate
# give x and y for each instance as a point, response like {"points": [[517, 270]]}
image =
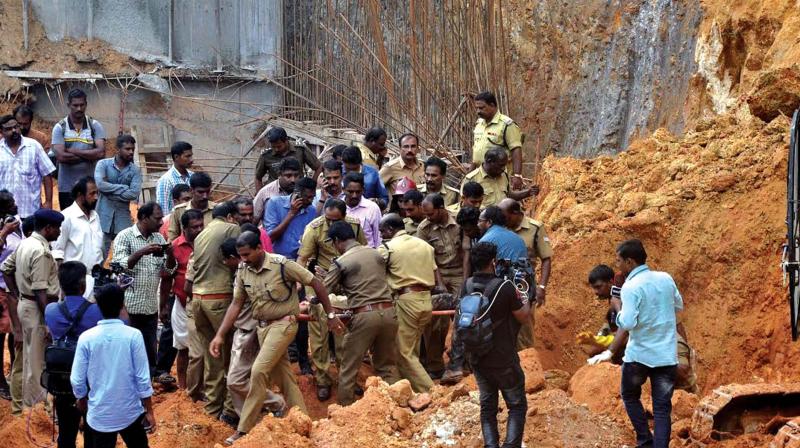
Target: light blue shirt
{"points": [[111, 367], [289, 243], [649, 302]]}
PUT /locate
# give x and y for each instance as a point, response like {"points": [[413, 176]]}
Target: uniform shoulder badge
{"points": [[507, 120], [352, 220], [317, 222], [276, 258], [535, 222]]}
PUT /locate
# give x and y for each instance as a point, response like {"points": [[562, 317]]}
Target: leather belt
{"points": [[212, 296], [417, 287], [268, 322], [25, 296], [372, 307]]}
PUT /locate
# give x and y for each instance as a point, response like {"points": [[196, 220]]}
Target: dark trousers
{"points": [[511, 383], [69, 420], [134, 436], [166, 352], [301, 344], [148, 325], [456, 353], [64, 199], [662, 383]]}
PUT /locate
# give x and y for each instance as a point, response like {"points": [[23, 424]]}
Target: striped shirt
{"points": [[22, 173], [165, 185], [142, 297]]}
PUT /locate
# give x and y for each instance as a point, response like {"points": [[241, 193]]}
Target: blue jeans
{"points": [[511, 383], [662, 383]]}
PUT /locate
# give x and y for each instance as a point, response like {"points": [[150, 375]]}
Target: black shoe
{"points": [[436, 375], [323, 393], [305, 369], [230, 420], [358, 390]]}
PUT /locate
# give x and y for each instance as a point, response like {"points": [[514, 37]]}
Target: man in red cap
{"points": [[401, 187]]}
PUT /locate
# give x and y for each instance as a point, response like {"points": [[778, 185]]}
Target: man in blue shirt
{"points": [[72, 278], [647, 310], [510, 247], [373, 186], [119, 398], [287, 216]]}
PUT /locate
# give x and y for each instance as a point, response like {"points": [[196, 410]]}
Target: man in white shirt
{"points": [[81, 235]]}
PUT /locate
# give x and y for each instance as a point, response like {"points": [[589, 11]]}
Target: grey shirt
{"points": [[117, 189], [68, 174]]}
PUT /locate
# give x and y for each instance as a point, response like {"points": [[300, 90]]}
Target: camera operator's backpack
{"points": [[59, 355], [473, 323]]}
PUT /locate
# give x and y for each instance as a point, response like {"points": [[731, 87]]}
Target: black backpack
{"points": [[473, 322], [59, 355]]}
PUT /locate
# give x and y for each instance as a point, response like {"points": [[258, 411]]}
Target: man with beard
{"points": [[24, 167], [200, 184], [81, 237], [373, 150], [24, 116], [289, 171], [78, 142], [119, 181]]}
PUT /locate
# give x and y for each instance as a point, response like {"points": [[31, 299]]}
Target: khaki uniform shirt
{"points": [[361, 273], [209, 273], [536, 240], [500, 131], [446, 242], [368, 157], [269, 162], [33, 266], [495, 189], [411, 226], [410, 261], [396, 169], [315, 242], [450, 194], [174, 229], [272, 298]]}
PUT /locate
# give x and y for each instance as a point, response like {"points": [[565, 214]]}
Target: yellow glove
{"points": [[604, 341]]}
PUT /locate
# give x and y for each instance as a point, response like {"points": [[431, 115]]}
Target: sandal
{"points": [[236, 436], [165, 378]]}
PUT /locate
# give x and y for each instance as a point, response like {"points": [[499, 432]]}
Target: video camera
{"points": [[117, 275]]}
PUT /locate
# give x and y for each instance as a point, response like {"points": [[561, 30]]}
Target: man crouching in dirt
{"points": [[609, 343], [647, 310]]}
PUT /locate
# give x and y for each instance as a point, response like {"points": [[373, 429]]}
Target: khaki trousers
{"points": [[196, 366], [413, 314], [318, 335], [34, 341], [16, 382], [208, 319], [243, 353], [525, 336], [271, 365], [375, 331], [435, 333]]}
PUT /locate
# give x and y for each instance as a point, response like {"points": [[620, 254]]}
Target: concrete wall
{"points": [[249, 34]]}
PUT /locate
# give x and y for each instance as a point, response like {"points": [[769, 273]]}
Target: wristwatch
{"points": [[331, 315]]}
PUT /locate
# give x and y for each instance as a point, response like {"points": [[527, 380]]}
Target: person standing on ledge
{"points": [[496, 129]]}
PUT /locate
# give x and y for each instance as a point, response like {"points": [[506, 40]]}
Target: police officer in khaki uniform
{"points": [[200, 184], [407, 165], [538, 244], [435, 175], [268, 281], [360, 273], [472, 196], [315, 246], [411, 205], [31, 274], [412, 275], [373, 150], [211, 286], [496, 129], [494, 179], [439, 229]]}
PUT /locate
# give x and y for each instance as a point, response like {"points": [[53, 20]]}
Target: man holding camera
{"points": [[141, 249]]}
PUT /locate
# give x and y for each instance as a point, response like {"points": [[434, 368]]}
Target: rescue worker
{"points": [[269, 162], [440, 230], [373, 150], [493, 178], [411, 205], [496, 129], [471, 196], [316, 249], [412, 275], [407, 165], [360, 273], [268, 280], [435, 175], [535, 237]]}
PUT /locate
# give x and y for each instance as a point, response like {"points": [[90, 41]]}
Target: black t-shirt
{"points": [[504, 336]]}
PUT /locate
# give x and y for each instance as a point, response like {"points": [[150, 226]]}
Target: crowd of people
{"points": [[342, 261]]}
